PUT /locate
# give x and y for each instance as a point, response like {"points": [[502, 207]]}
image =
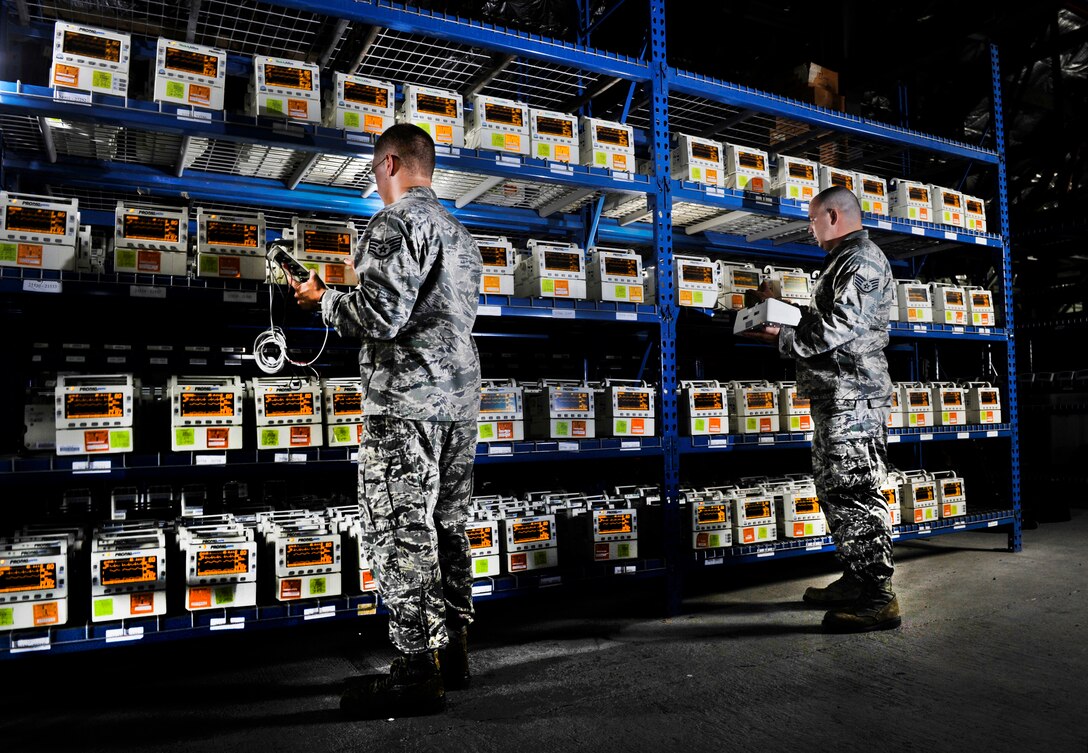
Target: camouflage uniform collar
{"points": [[848, 240], [419, 192]]}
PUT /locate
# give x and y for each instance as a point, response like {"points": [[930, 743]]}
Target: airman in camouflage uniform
{"points": [[838, 347], [413, 311]]}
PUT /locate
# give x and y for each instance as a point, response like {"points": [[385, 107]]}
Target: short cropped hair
{"points": [[412, 144], [841, 199]]}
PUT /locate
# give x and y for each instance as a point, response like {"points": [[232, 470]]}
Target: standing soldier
{"points": [[838, 347], [413, 310]]}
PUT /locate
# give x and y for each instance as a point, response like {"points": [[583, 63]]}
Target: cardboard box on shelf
{"points": [[813, 74]]}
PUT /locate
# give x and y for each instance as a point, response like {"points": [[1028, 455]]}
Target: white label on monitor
{"points": [[239, 296], [41, 286], [488, 311]]}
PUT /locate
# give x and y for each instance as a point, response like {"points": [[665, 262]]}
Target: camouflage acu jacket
{"points": [[413, 310], [839, 343]]}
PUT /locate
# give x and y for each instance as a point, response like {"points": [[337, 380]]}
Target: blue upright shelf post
{"points": [[661, 199], [1015, 541]]}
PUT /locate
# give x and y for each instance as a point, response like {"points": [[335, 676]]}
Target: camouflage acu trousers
{"points": [[849, 463], [415, 484]]}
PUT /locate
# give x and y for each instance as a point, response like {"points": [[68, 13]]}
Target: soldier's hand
{"points": [[764, 291], [308, 294], [768, 334]]}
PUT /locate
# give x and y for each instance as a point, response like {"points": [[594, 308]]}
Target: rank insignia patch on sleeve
{"points": [[866, 286]]}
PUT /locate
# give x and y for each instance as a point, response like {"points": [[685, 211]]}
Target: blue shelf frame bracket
{"points": [[661, 201], [1015, 536]]}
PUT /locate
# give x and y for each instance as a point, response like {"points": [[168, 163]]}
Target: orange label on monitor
{"points": [[290, 588], [765, 424], [300, 436], [334, 273], [491, 283], [96, 441], [298, 108], [200, 95], [372, 123], [619, 162], [443, 134], [519, 561], [513, 142], [715, 425], [578, 428], [685, 297], [600, 551], [634, 294], [200, 598], [230, 266], [66, 75], [148, 261], [638, 426], [749, 535], [217, 438], [798, 529], [46, 614], [30, 255], [562, 288], [505, 429], [141, 603], [562, 153]]}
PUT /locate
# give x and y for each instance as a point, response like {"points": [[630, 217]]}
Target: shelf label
{"points": [[963, 435], [623, 569], [358, 137], [714, 561], [147, 292], [925, 437], [550, 580], [626, 316], [917, 231], [991, 524], [984, 330], [561, 168], [507, 159], [319, 613], [959, 527], [489, 311], [92, 466], [239, 296], [22, 645], [353, 456], [622, 175], [960, 330], [766, 440], [74, 97], [814, 546], [921, 328], [715, 191], [223, 623], [950, 236], [500, 450], [884, 224], [925, 529], [769, 553], [895, 536], [563, 313], [991, 433], [210, 460], [41, 286], [718, 442], [629, 444], [194, 115], [569, 447], [893, 438], [482, 589], [117, 635], [980, 240], [291, 457]]}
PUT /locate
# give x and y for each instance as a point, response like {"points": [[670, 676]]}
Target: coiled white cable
{"points": [[270, 347]]}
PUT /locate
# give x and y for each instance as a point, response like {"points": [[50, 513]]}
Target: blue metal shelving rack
{"points": [[167, 151]]}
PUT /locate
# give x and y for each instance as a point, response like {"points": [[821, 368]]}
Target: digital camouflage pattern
{"points": [[413, 309], [849, 463], [839, 343], [415, 487], [838, 347]]}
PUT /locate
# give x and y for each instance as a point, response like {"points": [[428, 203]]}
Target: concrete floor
{"points": [[991, 657]]}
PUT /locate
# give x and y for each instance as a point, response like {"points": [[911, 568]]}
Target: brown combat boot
{"points": [[841, 593], [454, 661], [413, 687], [877, 609]]}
